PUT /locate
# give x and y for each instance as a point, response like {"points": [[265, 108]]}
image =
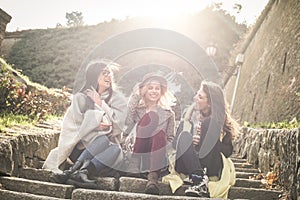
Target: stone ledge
{"points": [[248, 183], [83, 194], [22, 147], [36, 174], [137, 185], [245, 175], [247, 170], [243, 165], [11, 195], [253, 193], [37, 187]]}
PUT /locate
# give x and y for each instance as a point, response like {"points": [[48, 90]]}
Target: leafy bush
{"points": [[19, 96]]}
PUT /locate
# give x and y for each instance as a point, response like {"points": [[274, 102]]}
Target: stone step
{"points": [[129, 188], [248, 183], [12, 195], [234, 193], [243, 165], [248, 170], [36, 174], [134, 185], [254, 194], [111, 183], [102, 183], [83, 194], [239, 160], [37, 187], [245, 175]]}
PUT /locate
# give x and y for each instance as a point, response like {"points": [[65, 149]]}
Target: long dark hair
{"points": [[219, 107], [93, 70]]}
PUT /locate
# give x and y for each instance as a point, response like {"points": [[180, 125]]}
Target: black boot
{"points": [[63, 177], [82, 174]]}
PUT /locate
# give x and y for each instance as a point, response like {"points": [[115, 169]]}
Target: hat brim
{"points": [[151, 78]]}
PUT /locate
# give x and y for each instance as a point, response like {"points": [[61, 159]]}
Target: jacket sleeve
{"points": [[226, 146], [131, 112], [116, 110], [171, 128], [178, 131]]}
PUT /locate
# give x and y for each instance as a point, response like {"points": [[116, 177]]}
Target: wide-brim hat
{"points": [[153, 77]]}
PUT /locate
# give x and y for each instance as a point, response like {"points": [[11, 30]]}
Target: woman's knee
{"points": [[185, 137], [103, 140], [114, 149], [184, 142]]}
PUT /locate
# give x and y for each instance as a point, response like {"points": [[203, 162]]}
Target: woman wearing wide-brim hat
{"points": [[151, 126]]}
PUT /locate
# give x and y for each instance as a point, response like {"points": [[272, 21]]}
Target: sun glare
{"points": [[169, 8], [48, 14]]}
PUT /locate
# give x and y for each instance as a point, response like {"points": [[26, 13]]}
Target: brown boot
{"points": [[152, 185], [133, 168]]}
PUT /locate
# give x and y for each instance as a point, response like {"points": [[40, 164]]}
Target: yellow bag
{"points": [[220, 189]]}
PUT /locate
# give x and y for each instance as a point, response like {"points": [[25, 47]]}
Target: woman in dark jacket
{"points": [[205, 133]]}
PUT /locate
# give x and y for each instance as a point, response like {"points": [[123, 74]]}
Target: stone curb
{"points": [[12, 195], [37, 187]]}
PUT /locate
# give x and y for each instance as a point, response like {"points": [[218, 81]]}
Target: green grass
{"points": [[52, 117], [275, 125], [8, 120]]}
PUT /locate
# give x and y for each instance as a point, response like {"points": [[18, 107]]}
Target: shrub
{"points": [[19, 96]]}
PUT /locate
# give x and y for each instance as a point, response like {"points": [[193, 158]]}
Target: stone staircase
{"points": [[33, 184]]}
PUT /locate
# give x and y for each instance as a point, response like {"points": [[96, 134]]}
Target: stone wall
{"points": [[4, 20], [269, 85], [20, 149], [274, 150]]}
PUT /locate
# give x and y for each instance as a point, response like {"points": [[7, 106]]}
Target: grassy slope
{"points": [[52, 57]]}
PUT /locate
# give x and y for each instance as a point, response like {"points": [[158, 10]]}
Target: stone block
{"points": [[11, 195], [83, 194], [37, 187], [6, 152], [136, 185]]}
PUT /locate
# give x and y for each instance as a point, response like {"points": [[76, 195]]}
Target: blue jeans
{"points": [[101, 152]]}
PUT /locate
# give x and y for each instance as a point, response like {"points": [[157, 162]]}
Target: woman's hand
{"points": [[129, 142], [143, 90], [104, 127], [93, 94], [196, 140], [136, 89], [196, 137]]}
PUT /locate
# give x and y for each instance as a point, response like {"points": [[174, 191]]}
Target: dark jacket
{"points": [[213, 160]]}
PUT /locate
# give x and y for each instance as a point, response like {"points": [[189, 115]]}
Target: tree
{"points": [[58, 25], [237, 7], [74, 18]]}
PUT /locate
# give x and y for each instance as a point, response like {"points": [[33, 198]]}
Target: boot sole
{"points": [[195, 194], [152, 189], [81, 184]]}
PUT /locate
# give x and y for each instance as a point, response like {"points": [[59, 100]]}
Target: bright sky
{"points": [[32, 14]]}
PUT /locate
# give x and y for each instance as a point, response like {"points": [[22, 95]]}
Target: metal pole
{"points": [[235, 88]]}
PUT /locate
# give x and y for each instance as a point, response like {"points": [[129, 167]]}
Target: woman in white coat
{"points": [[91, 130]]}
